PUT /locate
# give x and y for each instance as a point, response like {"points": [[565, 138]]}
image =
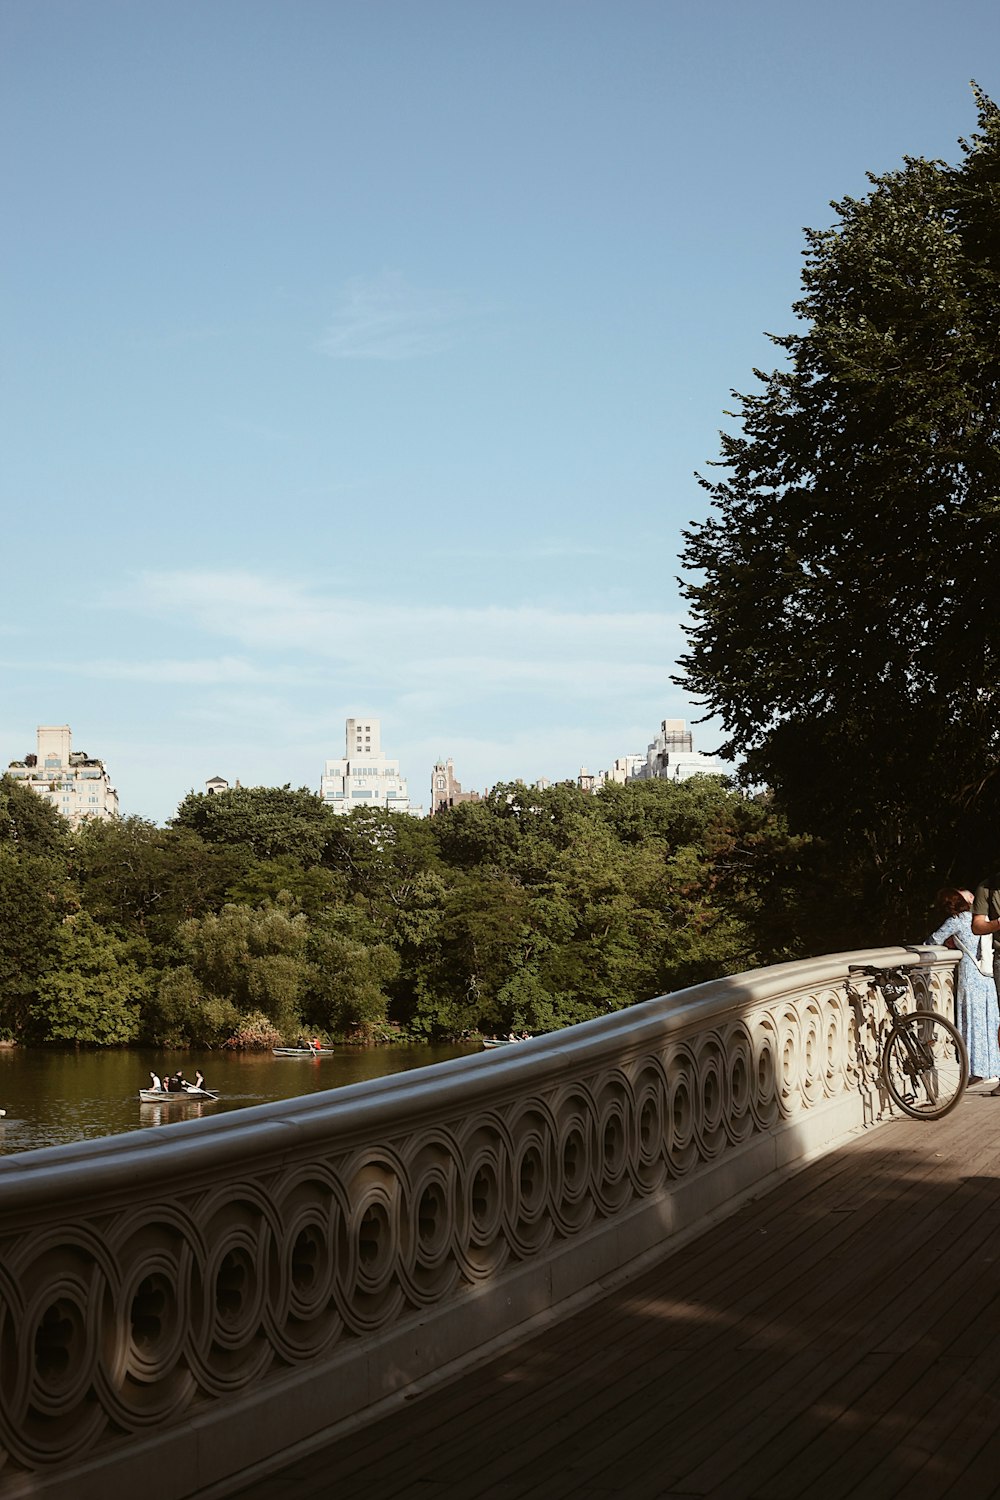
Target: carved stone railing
{"points": [[178, 1307]]}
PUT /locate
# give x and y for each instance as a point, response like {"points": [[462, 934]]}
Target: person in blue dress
{"points": [[977, 1013]]}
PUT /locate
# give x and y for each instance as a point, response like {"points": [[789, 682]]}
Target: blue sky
{"points": [[358, 357]]}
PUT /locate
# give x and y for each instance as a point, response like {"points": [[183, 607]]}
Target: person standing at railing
{"points": [[977, 1013], [986, 917]]}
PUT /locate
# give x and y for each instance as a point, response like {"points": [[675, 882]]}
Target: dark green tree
{"points": [[253, 958], [147, 880], [312, 888], [380, 859], [29, 825], [347, 993], [33, 898], [35, 895], [264, 822], [182, 1010], [93, 991], [843, 602]]}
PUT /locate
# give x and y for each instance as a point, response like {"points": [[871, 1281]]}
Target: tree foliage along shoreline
{"points": [[846, 602], [265, 914]]}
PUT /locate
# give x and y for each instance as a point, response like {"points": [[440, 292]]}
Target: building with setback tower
{"points": [[364, 776]]}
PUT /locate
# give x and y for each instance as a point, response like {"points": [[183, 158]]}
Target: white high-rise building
{"points": [[672, 756], [73, 783], [364, 776]]}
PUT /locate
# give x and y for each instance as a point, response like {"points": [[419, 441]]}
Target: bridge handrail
{"points": [[285, 1267], [356, 1110]]}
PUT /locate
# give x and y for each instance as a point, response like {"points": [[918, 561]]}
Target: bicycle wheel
{"points": [[925, 1065]]}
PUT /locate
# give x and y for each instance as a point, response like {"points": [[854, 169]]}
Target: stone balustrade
{"points": [[178, 1307]]}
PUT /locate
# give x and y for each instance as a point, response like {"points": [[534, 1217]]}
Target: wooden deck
{"points": [[838, 1337]]}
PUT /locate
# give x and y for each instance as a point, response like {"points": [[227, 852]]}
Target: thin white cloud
{"points": [[383, 318], [207, 672], [320, 651], [227, 671], [275, 617], [531, 551]]}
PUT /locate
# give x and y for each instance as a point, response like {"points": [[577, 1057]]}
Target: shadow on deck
{"points": [[838, 1337]]}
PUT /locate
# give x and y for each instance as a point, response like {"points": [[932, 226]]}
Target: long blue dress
{"points": [[977, 1014]]}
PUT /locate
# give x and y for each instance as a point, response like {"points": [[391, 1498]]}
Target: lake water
{"points": [[55, 1097]]}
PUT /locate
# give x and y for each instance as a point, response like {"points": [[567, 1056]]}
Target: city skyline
{"points": [[65, 777], [359, 360]]}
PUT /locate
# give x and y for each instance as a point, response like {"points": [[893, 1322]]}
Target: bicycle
{"points": [[924, 1065]]}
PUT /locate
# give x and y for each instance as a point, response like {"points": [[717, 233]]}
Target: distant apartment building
{"points": [[364, 776], [445, 790], [672, 756], [623, 769], [71, 781]]}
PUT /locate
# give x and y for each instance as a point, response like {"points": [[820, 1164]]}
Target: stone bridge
{"points": [[181, 1309]]}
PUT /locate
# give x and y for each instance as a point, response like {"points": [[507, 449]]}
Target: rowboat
{"points": [[503, 1041], [189, 1095], [302, 1051]]}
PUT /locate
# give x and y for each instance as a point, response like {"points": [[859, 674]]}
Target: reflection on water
{"points": [[55, 1097], [161, 1114]]}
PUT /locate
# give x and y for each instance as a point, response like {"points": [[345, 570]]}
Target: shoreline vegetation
{"points": [[327, 1043], [257, 915]]}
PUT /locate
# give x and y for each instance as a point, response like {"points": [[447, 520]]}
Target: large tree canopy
{"points": [[29, 825], [261, 913], [264, 822], [845, 612]]}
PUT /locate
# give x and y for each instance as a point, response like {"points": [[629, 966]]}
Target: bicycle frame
{"points": [[923, 1064]]}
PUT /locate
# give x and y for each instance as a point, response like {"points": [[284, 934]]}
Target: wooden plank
{"points": [[775, 1356], [860, 1404], [851, 1406]]}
